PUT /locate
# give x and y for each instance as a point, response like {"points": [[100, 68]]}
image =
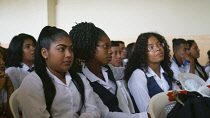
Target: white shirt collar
{"points": [[151, 73], [25, 67], [58, 81]]}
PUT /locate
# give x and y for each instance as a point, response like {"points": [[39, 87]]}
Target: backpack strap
{"points": [[80, 86]]}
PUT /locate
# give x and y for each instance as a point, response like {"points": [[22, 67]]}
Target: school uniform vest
{"points": [[109, 99], [153, 87]]}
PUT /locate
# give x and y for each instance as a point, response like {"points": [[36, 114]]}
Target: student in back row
{"points": [[20, 58]]}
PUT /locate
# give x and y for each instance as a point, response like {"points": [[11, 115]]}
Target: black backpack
{"points": [[191, 105]]}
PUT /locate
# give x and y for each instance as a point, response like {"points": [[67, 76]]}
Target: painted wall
{"points": [[21, 16], [120, 19]]}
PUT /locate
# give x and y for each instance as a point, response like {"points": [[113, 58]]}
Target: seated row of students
{"points": [[53, 90]]}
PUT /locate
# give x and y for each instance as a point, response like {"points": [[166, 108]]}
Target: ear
{"points": [[44, 53]]}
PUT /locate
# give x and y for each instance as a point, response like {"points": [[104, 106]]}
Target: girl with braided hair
{"points": [[92, 49], [147, 71], [51, 91]]}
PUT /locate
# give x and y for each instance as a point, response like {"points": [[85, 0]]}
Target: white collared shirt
{"points": [[17, 74], [176, 69], [137, 85], [118, 73], [66, 103]]}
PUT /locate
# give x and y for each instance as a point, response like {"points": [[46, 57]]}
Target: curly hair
{"points": [[138, 58], [15, 52], [85, 37]]}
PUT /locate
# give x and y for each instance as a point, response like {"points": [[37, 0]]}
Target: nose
{"points": [[69, 53], [110, 51], [33, 48]]}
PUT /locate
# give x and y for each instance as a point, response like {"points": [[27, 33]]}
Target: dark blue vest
{"points": [[109, 99], [153, 86]]}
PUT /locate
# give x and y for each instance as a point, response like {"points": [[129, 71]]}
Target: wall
{"points": [[21, 16], [120, 19]]}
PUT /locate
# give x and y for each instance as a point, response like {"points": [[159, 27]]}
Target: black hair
{"points": [[47, 36], [14, 53], [2, 51], [85, 37], [114, 43], [190, 43], [208, 53], [177, 42], [138, 59], [129, 49], [121, 42]]}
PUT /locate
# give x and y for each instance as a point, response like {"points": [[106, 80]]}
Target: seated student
{"points": [[92, 47], [51, 90], [147, 71], [194, 52], [20, 58], [207, 66], [123, 52], [6, 88], [116, 55], [182, 62], [129, 50]]}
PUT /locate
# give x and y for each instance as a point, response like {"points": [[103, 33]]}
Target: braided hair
{"points": [[85, 37], [138, 58], [47, 36]]}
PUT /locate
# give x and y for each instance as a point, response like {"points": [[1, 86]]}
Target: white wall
{"points": [[125, 19], [21, 16]]}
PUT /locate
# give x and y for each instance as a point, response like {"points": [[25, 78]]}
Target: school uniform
{"points": [[177, 68], [207, 70], [118, 73], [67, 101], [143, 86], [17, 74], [107, 89]]}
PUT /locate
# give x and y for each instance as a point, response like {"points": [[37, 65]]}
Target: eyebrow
{"points": [[64, 45], [153, 44]]}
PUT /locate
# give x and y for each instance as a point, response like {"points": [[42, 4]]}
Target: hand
{"points": [[3, 77], [188, 58]]}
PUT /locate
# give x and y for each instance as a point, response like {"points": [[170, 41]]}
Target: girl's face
{"points": [[155, 50], [194, 51], [103, 52], [2, 64], [28, 49], [59, 57]]}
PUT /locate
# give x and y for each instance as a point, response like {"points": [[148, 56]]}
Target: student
{"points": [[92, 47], [20, 58], [194, 52], [129, 50], [51, 90], [182, 62], [6, 88], [116, 55], [207, 66], [147, 71], [124, 52]]}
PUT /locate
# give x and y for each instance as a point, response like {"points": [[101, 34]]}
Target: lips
{"points": [[109, 58], [67, 62], [159, 55]]}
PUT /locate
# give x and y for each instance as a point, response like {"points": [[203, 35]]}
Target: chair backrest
{"points": [[205, 90], [13, 103], [161, 104], [125, 102], [190, 82]]}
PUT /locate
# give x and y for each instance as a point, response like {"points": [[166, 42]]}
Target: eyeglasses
{"points": [[152, 47]]}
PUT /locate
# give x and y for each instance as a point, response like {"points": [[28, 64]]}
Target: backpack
{"points": [[190, 105]]}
